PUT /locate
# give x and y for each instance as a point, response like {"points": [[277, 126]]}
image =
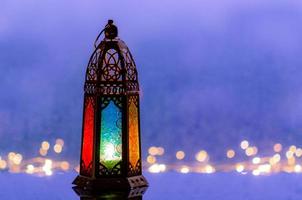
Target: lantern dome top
{"points": [[111, 69]]}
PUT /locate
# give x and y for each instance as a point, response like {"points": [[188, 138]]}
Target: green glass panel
{"points": [[111, 136]]}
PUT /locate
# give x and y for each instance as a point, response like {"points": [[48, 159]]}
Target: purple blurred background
{"points": [[212, 72]]}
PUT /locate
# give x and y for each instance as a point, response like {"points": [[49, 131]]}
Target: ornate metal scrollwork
{"points": [[86, 170], [115, 171], [111, 70], [133, 171]]}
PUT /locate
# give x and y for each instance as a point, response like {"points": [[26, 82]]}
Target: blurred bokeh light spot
{"points": [[202, 156], [45, 145], [277, 147], [230, 153], [57, 148], [184, 169], [180, 155], [244, 144], [151, 159]]}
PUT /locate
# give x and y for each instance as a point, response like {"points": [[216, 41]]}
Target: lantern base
{"points": [[110, 183], [112, 194]]}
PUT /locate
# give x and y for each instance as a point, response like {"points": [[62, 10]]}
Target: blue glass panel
{"points": [[111, 136]]}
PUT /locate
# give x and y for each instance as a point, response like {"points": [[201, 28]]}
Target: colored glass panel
{"points": [[111, 136], [134, 153], [88, 131]]}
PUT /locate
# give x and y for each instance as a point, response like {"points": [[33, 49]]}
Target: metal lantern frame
{"points": [[111, 76]]}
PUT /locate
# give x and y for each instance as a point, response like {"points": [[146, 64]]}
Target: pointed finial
{"points": [[111, 30]]}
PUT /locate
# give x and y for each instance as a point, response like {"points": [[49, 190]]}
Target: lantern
{"points": [[111, 148]]}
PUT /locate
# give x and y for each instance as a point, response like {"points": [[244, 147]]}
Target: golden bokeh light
{"points": [[162, 167], [30, 169], [298, 168], [43, 152], [48, 162], [292, 148], [209, 169], [202, 156], [255, 150], [17, 159], [64, 165], [256, 160], [256, 172], [11, 155], [230, 153], [266, 168], [239, 168], [249, 151], [180, 155], [47, 168], [153, 151], [60, 141], [45, 145], [298, 152], [184, 170], [244, 144], [151, 159], [275, 159], [3, 164], [154, 168], [160, 151], [278, 147], [291, 161], [58, 148], [289, 154], [157, 168]]}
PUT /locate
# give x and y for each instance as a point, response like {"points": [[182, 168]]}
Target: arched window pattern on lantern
{"points": [[110, 136], [111, 70], [111, 120]]}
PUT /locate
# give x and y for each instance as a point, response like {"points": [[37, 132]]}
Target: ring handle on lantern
{"points": [[110, 32]]}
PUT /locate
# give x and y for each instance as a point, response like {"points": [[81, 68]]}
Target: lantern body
{"points": [[111, 148]]}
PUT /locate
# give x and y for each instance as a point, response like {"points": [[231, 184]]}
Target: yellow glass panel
{"points": [[134, 153]]}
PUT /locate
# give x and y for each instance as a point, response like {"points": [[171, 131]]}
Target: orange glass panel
{"points": [[88, 132], [134, 153]]}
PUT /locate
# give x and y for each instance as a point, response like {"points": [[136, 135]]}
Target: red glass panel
{"points": [[88, 131]]}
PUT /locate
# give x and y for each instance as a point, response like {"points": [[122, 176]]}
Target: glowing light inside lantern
{"points": [[111, 136], [109, 152]]}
